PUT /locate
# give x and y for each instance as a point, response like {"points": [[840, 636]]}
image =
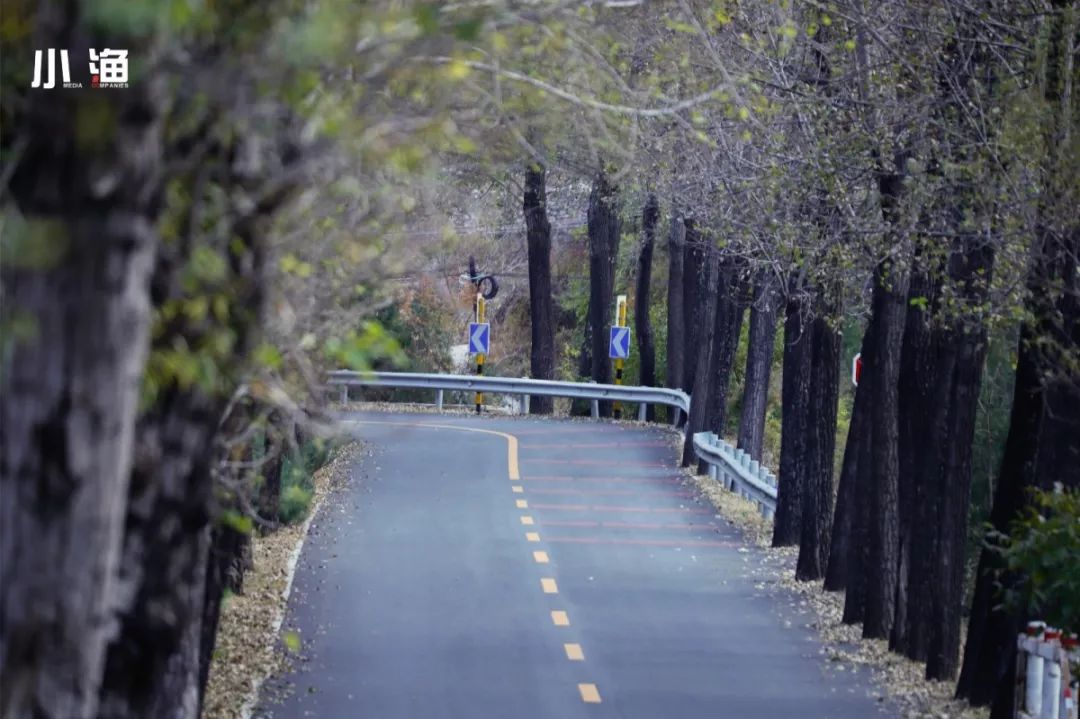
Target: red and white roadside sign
{"points": [[856, 368]]}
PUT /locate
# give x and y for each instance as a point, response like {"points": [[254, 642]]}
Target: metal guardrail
{"points": [[1045, 666], [737, 471], [523, 387]]}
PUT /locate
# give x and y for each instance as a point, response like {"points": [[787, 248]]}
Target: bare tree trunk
{"points": [[730, 309], [213, 596], [795, 403], [603, 221], [703, 352], [153, 666], [270, 489], [882, 367], [694, 299], [917, 405], [967, 345], [817, 508], [650, 215], [538, 238], [845, 561], [758, 363], [77, 272]]}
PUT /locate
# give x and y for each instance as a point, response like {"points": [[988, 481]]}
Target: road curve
{"points": [[483, 567]]}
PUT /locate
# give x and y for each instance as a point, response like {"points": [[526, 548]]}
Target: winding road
{"points": [[530, 568]]}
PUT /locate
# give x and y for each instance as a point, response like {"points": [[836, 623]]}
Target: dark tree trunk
{"points": [[280, 437], [917, 405], [845, 564], [695, 279], [603, 222], [230, 549], [817, 506], [676, 339], [585, 360], [882, 368], [703, 353], [538, 238], [223, 547], [796, 427], [650, 215], [154, 663], [70, 388], [966, 342], [759, 356], [270, 489], [730, 309]]}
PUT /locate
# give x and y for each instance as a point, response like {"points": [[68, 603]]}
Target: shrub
{"points": [[295, 503], [1041, 552], [296, 472]]}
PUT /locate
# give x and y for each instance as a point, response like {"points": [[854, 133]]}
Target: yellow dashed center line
{"points": [[527, 520], [559, 618], [549, 586], [532, 536], [541, 557], [589, 693], [574, 653], [516, 489]]}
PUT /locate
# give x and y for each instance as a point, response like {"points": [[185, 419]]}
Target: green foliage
{"points": [[296, 473], [238, 521], [1042, 551], [295, 503], [365, 348], [843, 426], [738, 381]]}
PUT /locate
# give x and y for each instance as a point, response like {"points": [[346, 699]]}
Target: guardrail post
{"points": [[524, 404], [1052, 690], [676, 414], [438, 399], [1033, 684], [344, 394], [642, 411], [595, 408]]}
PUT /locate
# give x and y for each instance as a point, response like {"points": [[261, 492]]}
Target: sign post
{"points": [[856, 368], [620, 347], [480, 339]]}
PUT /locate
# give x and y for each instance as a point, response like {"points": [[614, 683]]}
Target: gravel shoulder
{"points": [[249, 645]]}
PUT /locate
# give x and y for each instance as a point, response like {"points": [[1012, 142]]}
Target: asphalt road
{"points": [[529, 568]]}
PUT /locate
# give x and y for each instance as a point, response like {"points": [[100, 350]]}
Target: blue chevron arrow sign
{"points": [[479, 338], [619, 344]]}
